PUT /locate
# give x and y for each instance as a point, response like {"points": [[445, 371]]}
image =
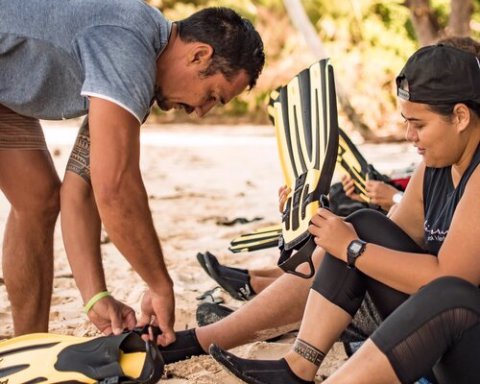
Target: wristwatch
{"points": [[397, 197], [354, 251]]}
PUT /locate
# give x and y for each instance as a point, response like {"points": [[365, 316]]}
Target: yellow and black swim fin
{"points": [[266, 237], [305, 117], [50, 358], [350, 161]]}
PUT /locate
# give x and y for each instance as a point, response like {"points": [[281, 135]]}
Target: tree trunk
{"points": [[460, 15], [302, 23], [424, 22]]}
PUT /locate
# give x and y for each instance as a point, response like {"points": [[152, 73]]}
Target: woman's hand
{"points": [[381, 193], [348, 185], [283, 192], [332, 233]]}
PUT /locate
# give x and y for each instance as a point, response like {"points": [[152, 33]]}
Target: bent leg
{"points": [[367, 366], [335, 297], [438, 327], [31, 185], [346, 287], [260, 279], [269, 272], [278, 309], [260, 283], [441, 323], [338, 291]]}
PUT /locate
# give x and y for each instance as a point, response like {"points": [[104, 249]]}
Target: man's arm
{"points": [[81, 236], [123, 203]]}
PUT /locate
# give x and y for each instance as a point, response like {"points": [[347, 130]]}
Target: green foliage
{"points": [[475, 23], [395, 18], [441, 10]]}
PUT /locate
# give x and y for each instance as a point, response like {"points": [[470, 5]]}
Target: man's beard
{"points": [[161, 100], [165, 106]]}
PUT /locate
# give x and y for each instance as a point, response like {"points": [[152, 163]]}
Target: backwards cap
{"points": [[440, 74]]}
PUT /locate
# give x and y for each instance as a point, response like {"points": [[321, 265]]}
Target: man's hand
{"points": [[159, 309], [122, 202], [112, 316]]}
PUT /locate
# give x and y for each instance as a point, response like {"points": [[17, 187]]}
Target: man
{"points": [[110, 59]]}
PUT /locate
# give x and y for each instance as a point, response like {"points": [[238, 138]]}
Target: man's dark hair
{"points": [[235, 42]]}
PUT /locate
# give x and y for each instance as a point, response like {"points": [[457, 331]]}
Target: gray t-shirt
{"points": [[56, 53]]}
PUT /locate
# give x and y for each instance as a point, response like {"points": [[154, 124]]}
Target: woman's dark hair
{"points": [[447, 109], [236, 44], [464, 43]]}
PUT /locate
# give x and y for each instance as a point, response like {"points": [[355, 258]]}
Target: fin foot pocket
{"points": [[125, 358], [50, 358], [289, 261]]}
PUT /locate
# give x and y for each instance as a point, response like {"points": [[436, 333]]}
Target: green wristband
{"points": [[99, 296]]}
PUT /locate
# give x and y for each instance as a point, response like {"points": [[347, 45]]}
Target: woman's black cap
{"points": [[440, 74]]}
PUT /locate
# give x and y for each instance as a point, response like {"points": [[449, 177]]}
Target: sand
{"points": [[196, 178]]}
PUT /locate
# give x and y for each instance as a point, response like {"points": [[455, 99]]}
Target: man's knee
{"points": [[43, 202], [49, 204]]}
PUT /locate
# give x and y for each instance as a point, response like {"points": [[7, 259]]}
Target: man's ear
{"points": [[462, 116], [201, 54]]}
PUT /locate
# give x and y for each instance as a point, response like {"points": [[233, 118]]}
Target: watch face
{"points": [[354, 250], [356, 247], [397, 197]]}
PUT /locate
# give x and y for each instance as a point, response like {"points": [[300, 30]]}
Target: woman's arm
{"points": [[458, 255], [460, 252], [404, 271]]}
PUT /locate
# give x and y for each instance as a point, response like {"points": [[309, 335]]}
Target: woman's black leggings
{"points": [[429, 324], [439, 328]]}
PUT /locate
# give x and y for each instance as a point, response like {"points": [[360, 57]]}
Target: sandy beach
{"points": [[197, 177]]}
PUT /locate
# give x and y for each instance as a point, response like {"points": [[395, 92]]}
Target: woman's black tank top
{"points": [[440, 200]]}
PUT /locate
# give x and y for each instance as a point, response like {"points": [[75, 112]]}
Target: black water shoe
{"points": [[256, 371]]}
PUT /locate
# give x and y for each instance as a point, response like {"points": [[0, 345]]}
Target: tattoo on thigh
{"points": [[309, 352]]}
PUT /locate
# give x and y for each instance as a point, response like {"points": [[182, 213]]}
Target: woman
{"points": [[432, 234]]}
